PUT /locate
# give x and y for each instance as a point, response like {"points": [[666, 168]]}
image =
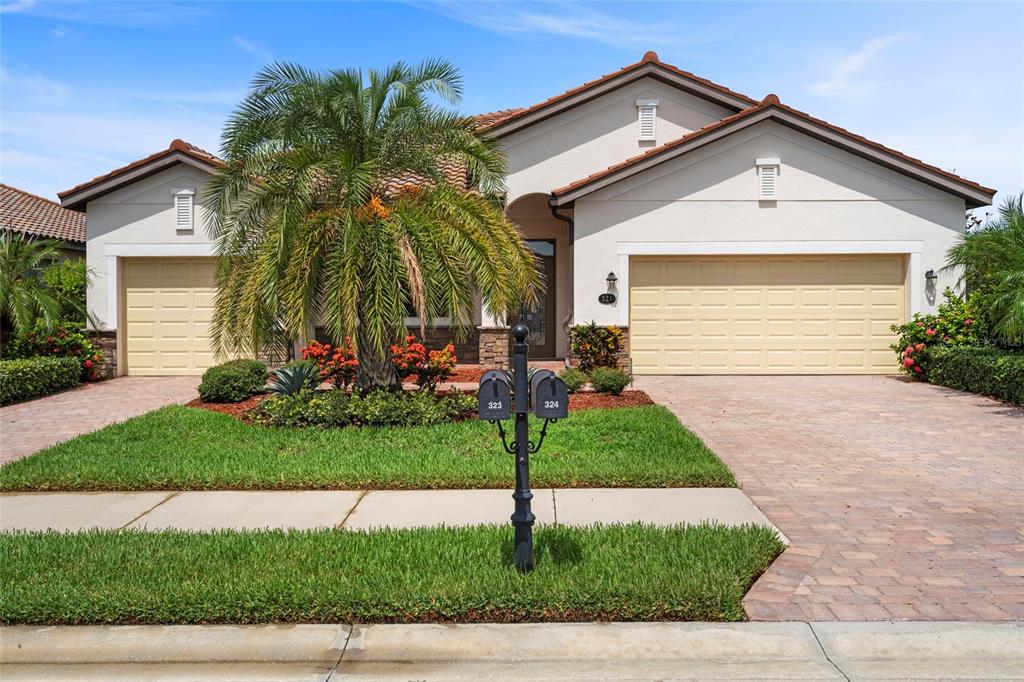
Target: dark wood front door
{"points": [[541, 320]]}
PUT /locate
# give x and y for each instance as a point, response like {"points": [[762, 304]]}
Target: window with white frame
{"points": [[767, 178], [647, 119], [184, 209]]}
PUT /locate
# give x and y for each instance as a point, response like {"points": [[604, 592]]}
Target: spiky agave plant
{"points": [[991, 262], [337, 206]]}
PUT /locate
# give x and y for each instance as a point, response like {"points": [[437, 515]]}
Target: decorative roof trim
{"points": [[649, 66], [177, 152], [770, 108]]}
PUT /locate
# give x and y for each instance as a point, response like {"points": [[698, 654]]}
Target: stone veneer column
{"points": [[494, 346], [107, 342]]}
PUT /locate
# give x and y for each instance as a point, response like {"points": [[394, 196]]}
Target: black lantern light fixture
{"points": [[608, 297], [930, 277]]}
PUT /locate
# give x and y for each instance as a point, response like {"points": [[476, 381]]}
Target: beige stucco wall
{"points": [[140, 214], [595, 135], [710, 195]]}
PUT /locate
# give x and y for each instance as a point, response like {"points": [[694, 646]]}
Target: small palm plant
{"points": [[991, 261], [23, 296], [344, 201]]}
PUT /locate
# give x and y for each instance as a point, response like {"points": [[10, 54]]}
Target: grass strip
{"points": [[623, 573], [182, 448]]}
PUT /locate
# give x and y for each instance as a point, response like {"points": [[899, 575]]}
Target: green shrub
{"points": [[596, 346], [379, 408], [67, 281], [574, 378], [957, 322], [28, 378], [63, 340], [609, 380], [233, 381], [984, 370]]}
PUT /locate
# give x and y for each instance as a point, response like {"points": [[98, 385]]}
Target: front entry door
{"points": [[541, 320]]}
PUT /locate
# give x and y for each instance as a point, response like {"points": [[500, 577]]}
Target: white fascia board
{"points": [[159, 250]]}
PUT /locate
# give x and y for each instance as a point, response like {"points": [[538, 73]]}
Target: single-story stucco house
{"points": [[735, 235], [34, 216]]}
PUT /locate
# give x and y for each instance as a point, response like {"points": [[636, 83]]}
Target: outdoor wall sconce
{"points": [[609, 297], [930, 277]]}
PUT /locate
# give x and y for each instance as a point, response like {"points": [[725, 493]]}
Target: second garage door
{"points": [[765, 315], [168, 309]]}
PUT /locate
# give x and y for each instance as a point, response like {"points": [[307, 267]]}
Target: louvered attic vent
{"points": [[647, 119], [184, 210], [767, 178]]}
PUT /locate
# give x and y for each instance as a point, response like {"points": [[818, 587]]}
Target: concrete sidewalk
{"points": [[362, 509], [574, 651]]}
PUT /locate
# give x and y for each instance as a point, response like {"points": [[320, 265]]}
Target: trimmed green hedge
{"points": [[29, 378], [988, 371], [233, 382]]}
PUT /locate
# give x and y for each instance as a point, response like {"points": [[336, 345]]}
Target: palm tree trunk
{"points": [[375, 368]]}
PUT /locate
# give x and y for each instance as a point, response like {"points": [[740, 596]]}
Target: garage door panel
{"points": [[747, 314], [168, 310]]}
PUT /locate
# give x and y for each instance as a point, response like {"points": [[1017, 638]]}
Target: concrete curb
{"points": [[571, 651]]}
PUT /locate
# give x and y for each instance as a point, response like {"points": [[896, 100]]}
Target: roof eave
{"points": [[974, 197], [78, 198]]}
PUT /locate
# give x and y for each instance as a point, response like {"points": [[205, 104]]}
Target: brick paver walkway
{"points": [[31, 426], [901, 500]]}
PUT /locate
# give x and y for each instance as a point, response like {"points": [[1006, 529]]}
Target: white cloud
{"points": [[16, 6], [567, 19], [29, 85], [846, 77], [252, 48], [112, 12]]}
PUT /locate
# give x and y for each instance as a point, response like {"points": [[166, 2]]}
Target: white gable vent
{"points": [[647, 119], [767, 178], [184, 209]]}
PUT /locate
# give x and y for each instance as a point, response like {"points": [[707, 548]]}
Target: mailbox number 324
{"points": [[551, 404]]}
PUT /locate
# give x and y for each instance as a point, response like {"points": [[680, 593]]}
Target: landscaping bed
{"points": [[620, 573], [181, 448]]}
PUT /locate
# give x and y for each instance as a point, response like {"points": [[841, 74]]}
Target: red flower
{"points": [[907, 362], [918, 369], [930, 332], [88, 363]]}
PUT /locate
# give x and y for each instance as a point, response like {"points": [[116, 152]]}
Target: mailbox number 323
{"points": [[494, 405]]}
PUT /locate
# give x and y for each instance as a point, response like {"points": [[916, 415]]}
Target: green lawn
{"points": [[185, 448], [437, 574]]}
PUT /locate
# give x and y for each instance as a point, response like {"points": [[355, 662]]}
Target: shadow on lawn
{"points": [[553, 544]]}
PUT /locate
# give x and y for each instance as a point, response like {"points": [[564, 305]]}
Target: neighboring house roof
{"points": [[30, 214], [649, 66], [178, 151], [770, 108]]}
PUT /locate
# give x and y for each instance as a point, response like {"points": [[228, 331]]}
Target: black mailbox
{"points": [[550, 396], [494, 401]]}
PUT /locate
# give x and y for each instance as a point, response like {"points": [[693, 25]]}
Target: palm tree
{"points": [[336, 205], [23, 298], [991, 262]]}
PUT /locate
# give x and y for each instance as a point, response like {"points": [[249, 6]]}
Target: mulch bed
{"points": [[238, 410], [586, 400], [467, 373]]}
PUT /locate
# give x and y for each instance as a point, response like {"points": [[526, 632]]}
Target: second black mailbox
{"points": [[549, 395], [494, 401]]}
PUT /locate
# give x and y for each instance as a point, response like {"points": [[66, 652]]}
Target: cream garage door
{"points": [[765, 314], [168, 306]]}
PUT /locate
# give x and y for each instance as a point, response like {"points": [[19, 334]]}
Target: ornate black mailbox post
{"points": [[550, 401]]}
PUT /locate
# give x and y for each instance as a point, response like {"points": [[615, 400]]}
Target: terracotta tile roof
{"points": [[176, 146], [769, 102], [648, 58], [30, 214], [495, 117]]}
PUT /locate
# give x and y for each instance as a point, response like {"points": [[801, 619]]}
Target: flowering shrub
{"points": [[596, 346], [440, 365], [956, 323], [410, 358], [337, 364], [60, 341], [407, 357]]}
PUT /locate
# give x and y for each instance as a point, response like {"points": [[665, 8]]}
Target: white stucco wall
{"points": [[710, 195], [595, 135], [139, 218]]}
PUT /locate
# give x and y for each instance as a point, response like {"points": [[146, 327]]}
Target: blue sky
{"points": [[87, 87]]}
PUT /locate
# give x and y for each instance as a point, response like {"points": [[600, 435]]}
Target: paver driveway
{"points": [[31, 426], [901, 500]]}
